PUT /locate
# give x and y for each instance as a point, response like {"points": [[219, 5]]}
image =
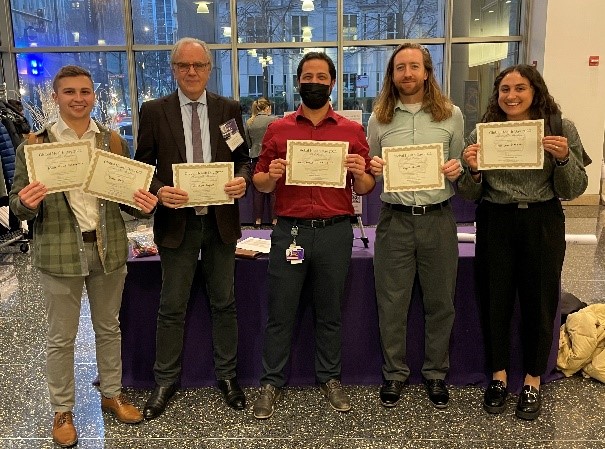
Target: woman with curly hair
{"points": [[521, 235]]}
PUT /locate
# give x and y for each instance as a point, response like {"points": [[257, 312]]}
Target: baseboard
{"points": [[584, 200]]}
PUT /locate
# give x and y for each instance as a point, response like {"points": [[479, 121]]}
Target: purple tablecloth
{"points": [[464, 210], [361, 353]]}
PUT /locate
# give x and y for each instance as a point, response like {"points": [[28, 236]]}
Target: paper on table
{"points": [[255, 244]]}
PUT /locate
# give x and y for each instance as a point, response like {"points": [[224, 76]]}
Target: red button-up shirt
{"points": [[303, 201]]}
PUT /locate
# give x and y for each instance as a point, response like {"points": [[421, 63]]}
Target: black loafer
{"points": [[390, 392], [233, 394], [529, 404], [156, 404], [494, 399], [437, 392]]}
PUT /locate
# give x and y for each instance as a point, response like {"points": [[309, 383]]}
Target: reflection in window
{"points": [[479, 18], [472, 84], [349, 24], [39, 23], [398, 19], [275, 80], [109, 75]]}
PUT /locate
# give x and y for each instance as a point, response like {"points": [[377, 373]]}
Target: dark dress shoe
{"points": [[390, 392], [529, 404], [494, 399], [233, 394], [437, 392], [156, 403]]}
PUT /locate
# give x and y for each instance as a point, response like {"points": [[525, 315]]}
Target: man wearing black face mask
{"points": [[316, 220]]}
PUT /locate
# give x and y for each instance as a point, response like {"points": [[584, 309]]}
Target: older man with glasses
{"points": [[188, 126]]}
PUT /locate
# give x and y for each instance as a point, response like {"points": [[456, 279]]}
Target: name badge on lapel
{"points": [[231, 134]]}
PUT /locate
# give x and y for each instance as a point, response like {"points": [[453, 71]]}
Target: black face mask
{"points": [[314, 95]]}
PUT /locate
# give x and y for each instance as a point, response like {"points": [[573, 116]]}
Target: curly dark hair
{"points": [[543, 104]]}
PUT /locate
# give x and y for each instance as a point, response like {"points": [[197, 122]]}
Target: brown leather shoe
{"points": [[64, 432], [122, 409]]}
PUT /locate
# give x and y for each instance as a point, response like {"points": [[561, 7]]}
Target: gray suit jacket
{"points": [[161, 142]]}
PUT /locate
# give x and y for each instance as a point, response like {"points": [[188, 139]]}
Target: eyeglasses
{"points": [[199, 67]]}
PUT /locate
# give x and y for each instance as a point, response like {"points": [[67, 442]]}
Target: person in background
{"points": [[315, 223], [194, 125], [256, 126], [416, 231], [79, 240], [520, 243]]}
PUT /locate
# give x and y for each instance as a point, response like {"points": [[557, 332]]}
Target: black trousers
{"points": [[520, 252], [323, 273]]}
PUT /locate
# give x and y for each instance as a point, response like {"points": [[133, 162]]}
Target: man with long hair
{"points": [[416, 232]]}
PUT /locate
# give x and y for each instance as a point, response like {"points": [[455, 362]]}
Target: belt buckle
{"points": [[421, 208], [318, 223], [523, 205]]}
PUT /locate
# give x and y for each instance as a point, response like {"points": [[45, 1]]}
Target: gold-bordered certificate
{"points": [[514, 144], [316, 163], [116, 178], [204, 182], [59, 166], [413, 167]]}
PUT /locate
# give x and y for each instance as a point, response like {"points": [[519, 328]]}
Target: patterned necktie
{"points": [[196, 143], [196, 134]]}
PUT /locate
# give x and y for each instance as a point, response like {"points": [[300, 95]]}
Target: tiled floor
{"points": [[574, 416]]}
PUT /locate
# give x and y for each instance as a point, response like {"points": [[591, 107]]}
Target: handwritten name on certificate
{"points": [[413, 167], [205, 183], [316, 163], [59, 166], [116, 178], [514, 144]]}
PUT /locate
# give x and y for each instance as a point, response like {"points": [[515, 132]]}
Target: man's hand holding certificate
{"points": [[511, 144], [413, 167], [204, 183], [316, 163], [116, 178]]}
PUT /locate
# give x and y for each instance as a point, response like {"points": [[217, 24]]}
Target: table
{"points": [[361, 352], [464, 210]]}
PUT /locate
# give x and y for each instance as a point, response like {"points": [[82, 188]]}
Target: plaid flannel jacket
{"points": [[58, 248]]}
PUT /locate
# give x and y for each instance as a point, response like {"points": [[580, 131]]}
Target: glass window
{"points": [[281, 21], [472, 84], [41, 23], [397, 19], [165, 22], [276, 71], [479, 18]]}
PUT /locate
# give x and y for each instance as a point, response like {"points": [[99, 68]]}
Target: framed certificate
{"points": [[59, 166], [116, 178], [510, 145], [205, 183], [413, 167], [316, 163]]}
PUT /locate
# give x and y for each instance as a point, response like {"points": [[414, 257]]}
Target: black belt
{"points": [[317, 222], [89, 236], [416, 210]]}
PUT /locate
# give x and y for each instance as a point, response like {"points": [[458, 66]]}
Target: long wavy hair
{"points": [[434, 102], [542, 105]]}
